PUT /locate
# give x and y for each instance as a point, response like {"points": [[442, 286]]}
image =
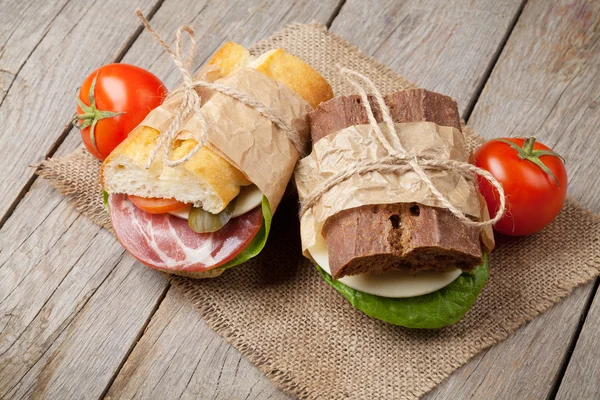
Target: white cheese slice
{"points": [[249, 198], [182, 212], [394, 284]]}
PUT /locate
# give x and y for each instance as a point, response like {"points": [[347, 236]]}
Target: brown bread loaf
{"points": [[379, 238]]}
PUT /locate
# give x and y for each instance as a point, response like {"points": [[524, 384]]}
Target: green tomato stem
{"points": [[528, 153], [528, 146], [91, 115]]}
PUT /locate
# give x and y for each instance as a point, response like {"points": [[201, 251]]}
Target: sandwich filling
{"points": [[434, 310], [212, 211], [167, 242], [394, 284]]}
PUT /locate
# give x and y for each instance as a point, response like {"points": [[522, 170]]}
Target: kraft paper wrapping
{"points": [[341, 150], [306, 337], [238, 133]]}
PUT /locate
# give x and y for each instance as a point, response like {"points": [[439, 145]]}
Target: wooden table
{"points": [[79, 318]]}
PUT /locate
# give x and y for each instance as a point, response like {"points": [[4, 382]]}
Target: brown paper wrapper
{"points": [[239, 133], [294, 327], [340, 151]]}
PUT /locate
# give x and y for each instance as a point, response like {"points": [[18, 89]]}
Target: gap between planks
{"points": [[335, 13], [159, 301], [62, 136], [59, 141], [16, 74], [569, 354], [488, 72]]}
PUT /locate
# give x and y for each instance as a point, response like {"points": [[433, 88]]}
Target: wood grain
{"points": [[180, 357], [444, 46], [91, 344], [52, 322], [581, 377], [98, 298], [41, 99], [526, 364], [244, 22], [21, 30], [543, 85], [546, 84], [153, 360], [92, 300]]}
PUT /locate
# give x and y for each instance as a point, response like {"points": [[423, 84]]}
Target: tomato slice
{"points": [[155, 205]]}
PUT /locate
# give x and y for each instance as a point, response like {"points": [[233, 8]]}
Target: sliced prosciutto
{"points": [[166, 242]]}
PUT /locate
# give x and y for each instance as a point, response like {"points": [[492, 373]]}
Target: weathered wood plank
{"points": [[445, 46], [180, 357], [581, 377], [545, 83], [53, 262], [70, 300], [91, 299], [526, 364], [217, 22], [22, 25], [92, 326], [187, 369], [42, 96]]}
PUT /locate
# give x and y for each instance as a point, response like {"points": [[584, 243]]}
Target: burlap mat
{"points": [[278, 312]]}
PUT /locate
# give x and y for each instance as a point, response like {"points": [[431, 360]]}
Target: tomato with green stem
{"points": [[112, 101], [534, 180]]}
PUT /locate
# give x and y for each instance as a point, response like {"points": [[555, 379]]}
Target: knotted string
{"points": [[191, 101], [399, 160]]}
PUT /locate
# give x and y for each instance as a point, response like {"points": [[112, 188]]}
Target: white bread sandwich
{"points": [[205, 215]]}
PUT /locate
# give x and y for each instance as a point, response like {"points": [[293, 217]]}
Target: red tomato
{"points": [[155, 205], [534, 180], [113, 100]]}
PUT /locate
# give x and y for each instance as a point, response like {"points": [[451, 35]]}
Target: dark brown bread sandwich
{"points": [[406, 263], [379, 238]]}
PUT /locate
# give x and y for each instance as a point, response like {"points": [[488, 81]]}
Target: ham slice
{"points": [[167, 243]]}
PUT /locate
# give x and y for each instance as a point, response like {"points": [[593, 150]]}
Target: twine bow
{"points": [[191, 102], [399, 160]]}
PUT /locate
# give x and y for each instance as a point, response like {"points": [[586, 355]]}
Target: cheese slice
{"points": [[249, 198], [394, 284], [183, 212]]}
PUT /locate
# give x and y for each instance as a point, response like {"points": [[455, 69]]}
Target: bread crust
{"points": [[287, 69], [207, 167], [223, 178], [408, 236], [229, 58]]}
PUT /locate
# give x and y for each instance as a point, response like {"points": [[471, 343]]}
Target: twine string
{"points": [[399, 160], [191, 102]]}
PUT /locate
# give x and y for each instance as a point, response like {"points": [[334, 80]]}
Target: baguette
{"points": [[206, 179]]}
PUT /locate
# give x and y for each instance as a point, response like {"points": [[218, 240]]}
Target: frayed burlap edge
{"points": [[286, 381], [58, 174]]}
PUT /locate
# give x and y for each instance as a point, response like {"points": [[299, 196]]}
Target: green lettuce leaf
{"points": [[431, 311], [105, 199], [258, 242]]}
